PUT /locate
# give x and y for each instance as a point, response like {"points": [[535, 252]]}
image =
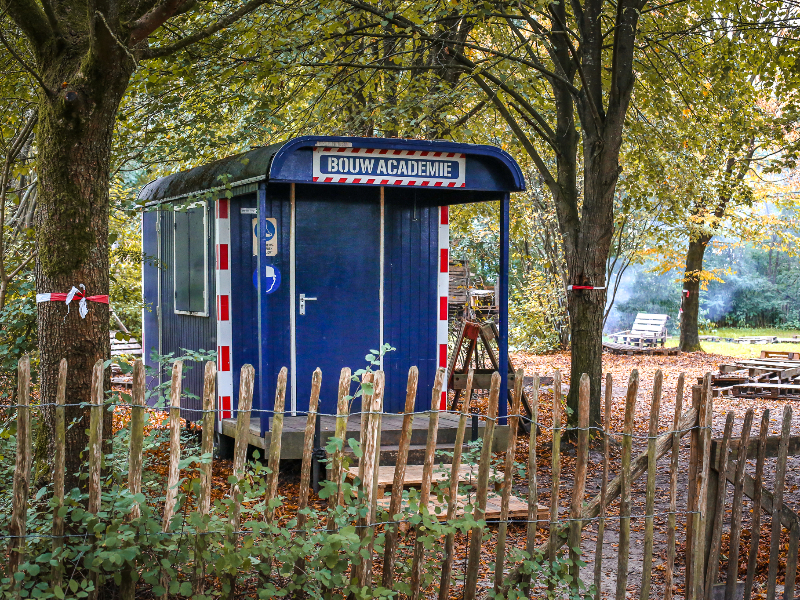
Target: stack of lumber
{"points": [[774, 375], [752, 339], [459, 282]]}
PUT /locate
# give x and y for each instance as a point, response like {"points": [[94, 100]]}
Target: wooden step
{"points": [[517, 509], [416, 453], [413, 478]]}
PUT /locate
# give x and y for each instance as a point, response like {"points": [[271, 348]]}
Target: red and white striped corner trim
{"points": [[222, 231], [443, 288]]}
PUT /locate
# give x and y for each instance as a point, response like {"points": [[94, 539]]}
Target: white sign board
{"points": [[271, 236], [382, 166]]}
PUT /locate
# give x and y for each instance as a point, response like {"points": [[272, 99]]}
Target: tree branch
{"points": [[24, 65], [30, 19], [204, 33], [51, 19], [598, 121], [156, 17], [527, 144]]}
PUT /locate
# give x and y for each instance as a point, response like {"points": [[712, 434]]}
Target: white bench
{"points": [[648, 330]]}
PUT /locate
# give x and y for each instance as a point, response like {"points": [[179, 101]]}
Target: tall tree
{"points": [[560, 76], [708, 125], [82, 55]]}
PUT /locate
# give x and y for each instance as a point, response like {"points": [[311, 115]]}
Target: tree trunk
{"points": [[690, 301], [586, 327], [75, 134]]}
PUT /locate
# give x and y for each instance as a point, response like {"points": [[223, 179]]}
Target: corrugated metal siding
{"points": [[187, 331], [150, 274], [411, 241]]}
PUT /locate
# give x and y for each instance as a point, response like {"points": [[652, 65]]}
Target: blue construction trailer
{"points": [[311, 253]]}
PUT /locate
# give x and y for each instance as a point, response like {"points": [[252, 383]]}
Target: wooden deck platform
{"points": [[294, 435], [631, 350]]}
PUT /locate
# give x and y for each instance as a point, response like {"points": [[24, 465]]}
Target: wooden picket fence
{"points": [[584, 513], [729, 457]]}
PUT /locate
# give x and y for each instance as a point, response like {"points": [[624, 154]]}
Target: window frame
{"points": [[205, 312]]}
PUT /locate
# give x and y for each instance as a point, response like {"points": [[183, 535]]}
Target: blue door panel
{"points": [[410, 296], [338, 263]]}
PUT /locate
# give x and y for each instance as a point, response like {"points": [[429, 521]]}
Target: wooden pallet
{"points": [[517, 509], [779, 354], [757, 339], [413, 478], [631, 350], [767, 390], [762, 369]]}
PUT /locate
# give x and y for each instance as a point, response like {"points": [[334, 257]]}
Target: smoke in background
{"points": [[759, 288]]}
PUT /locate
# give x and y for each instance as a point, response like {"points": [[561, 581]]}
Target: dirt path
{"points": [[693, 366]]}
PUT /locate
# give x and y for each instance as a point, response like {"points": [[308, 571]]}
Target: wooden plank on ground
{"points": [[517, 509], [414, 473]]}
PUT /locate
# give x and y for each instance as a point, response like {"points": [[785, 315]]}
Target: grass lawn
{"points": [[746, 350]]}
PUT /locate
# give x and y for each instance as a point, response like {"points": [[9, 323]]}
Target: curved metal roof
{"points": [[488, 168]]}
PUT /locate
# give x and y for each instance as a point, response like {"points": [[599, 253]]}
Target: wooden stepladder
{"points": [[467, 352]]}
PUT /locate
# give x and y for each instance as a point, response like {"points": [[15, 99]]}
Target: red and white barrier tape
{"points": [[584, 287], [83, 308]]}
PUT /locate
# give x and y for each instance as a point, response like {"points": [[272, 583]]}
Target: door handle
{"points": [[303, 300]]}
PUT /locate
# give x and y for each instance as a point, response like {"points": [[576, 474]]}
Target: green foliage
{"points": [[537, 301], [17, 330], [110, 546]]}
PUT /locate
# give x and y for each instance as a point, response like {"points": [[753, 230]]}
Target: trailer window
{"points": [[190, 263]]}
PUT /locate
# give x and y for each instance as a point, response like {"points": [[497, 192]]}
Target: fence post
{"points": [[206, 449], [305, 469], [340, 433], [371, 460], [533, 482], [625, 487], [19, 508], [673, 491], [705, 420], [508, 479], [239, 455], [601, 523], [95, 453], [58, 472], [655, 407], [127, 584], [455, 477], [276, 431], [718, 504], [308, 443], [579, 485], [755, 523], [553, 544], [173, 473], [425, 487], [390, 544], [691, 500], [736, 509], [777, 502], [476, 535]]}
